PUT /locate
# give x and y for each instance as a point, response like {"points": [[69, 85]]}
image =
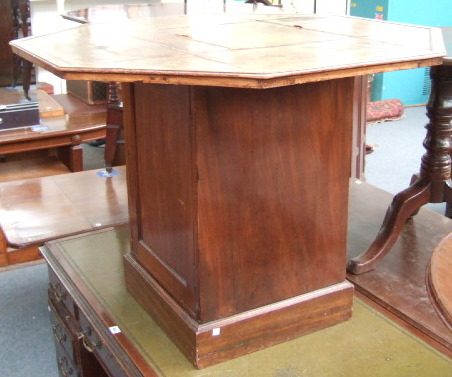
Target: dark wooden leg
{"points": [[433, 183], [16, 70], [114, 125], [400, 210], [27, 69], [22, 27]]}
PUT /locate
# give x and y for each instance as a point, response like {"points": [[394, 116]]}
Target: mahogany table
{"points": [[439, 280], [66, 133], [433, 183], [34, 211], [238, 138]]}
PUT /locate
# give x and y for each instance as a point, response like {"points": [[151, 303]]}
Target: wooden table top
{"points": [[48, 106], [239, 50], [68, 124], [439, 280], [33, 211]]}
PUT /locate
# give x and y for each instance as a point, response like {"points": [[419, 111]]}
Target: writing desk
{"points": [[100, 330], [238, 154]]}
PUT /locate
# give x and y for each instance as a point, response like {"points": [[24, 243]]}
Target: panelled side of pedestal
{"points": [[239, 201]]}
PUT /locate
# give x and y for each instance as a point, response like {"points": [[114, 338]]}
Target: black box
{"points": [[19, 115]]}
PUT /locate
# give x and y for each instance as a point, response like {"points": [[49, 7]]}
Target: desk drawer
{"points": [[59, 295], [66, 367], [63, 336], [94, 343]]}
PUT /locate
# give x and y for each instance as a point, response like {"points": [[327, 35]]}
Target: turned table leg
{"points": [[114, 125], [433, 184]]}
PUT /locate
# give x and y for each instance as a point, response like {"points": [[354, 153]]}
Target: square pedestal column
{"points": [[238, 202]]}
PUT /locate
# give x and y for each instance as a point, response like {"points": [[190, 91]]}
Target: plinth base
{"points": [[206, 344]]}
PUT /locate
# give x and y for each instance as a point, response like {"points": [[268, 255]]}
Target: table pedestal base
{"points": [[432, 185], [238, 211], [220, 340]]}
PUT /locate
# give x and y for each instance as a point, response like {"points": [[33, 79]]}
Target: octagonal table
{"points": [[238, 137]]}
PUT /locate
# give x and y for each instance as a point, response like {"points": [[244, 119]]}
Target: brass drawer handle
{"points": [[89, 347]]}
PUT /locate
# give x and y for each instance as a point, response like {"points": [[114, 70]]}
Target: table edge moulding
{"points": [[238, 167]]}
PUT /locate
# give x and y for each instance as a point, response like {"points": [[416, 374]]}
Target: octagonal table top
{"points": [[237, 50]]}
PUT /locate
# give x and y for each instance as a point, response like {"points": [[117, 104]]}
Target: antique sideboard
{"points": [[238, 139]]}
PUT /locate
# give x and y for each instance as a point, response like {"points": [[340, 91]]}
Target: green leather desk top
{"points": [[367, 345]]}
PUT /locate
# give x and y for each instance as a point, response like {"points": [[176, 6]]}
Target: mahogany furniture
{"points": [[433, 183], [101, 330], [439, 280], [238, 154], [81, 123], [33, 211]]}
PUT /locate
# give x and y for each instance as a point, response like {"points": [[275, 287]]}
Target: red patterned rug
{"points": [[381, 111]]}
